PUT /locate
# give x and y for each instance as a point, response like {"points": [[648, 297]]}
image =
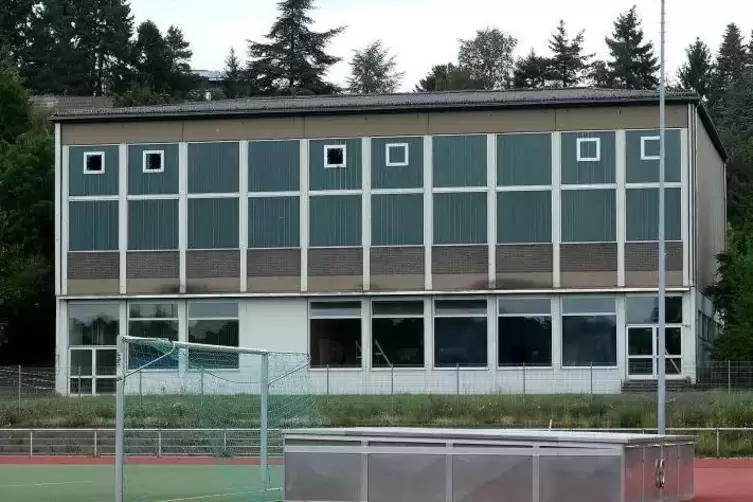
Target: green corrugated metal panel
{"points": [[524, 217], [335, 220], [213, 167], [274, 166], [647, 171], [576, 172], [642, 214], [93, 225], [397, 219], [141, 183], [384, 176], [213, 223], [459, 161], [274, 222], [524, 159], [588, 216], [335, 178], [152, 224], [92, 184], [460, 218]]}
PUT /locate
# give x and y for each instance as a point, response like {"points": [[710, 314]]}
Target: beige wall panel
{"points": [[215, 285], [397, 282], [588, 279], [274, 284], [407, 124], [335, 283], [93, 286], [244, 129], [152, 286], [650, 279], [711, 211], [492, 121], [531, 280], [124, 132], [460, 282], [628, 117]]}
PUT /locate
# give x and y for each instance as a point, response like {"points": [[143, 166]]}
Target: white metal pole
{"points": [[661, 345], [264, 424], [120, 419]]}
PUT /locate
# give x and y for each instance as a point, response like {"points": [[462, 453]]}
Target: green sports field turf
{"points": [[143, 483]]}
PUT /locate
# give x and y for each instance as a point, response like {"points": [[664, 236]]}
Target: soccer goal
{"points": [[219, 411]]}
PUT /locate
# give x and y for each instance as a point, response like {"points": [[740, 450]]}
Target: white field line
{"points": [[32, 485], [218, 495]]}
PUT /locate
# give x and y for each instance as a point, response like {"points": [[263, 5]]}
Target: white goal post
{"points": [[172, 349]]}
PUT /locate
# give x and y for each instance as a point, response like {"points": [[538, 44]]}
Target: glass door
{"points": [[642, 351]]}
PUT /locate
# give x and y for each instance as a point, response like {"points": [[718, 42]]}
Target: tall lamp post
{"points": [[661, 412]]}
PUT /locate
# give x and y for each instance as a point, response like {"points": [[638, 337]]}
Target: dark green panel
{"points": [[647, 171], [588, 216], [274, 222], [274, 166], [410, 176], [335, 178], [460, 218], [576, 172], [524, 159], [80, 183], [141, 183], [213, 223], [152, 224], [397, 219], [524, 217], [93, 225], [213, 167], [642, 214], [459, 161], [335, 220]]}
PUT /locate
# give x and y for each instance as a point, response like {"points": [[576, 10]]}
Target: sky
{"points": [[423, 33]]}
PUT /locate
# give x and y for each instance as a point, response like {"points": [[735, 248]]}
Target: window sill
{"points": [[615, 367], [461, 368], [402, 369], [526, 368], [349, 369]]}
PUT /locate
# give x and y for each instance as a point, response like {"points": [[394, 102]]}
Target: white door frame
{"points": [[654, 357]]}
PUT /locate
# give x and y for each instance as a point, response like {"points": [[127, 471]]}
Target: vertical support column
{"points": [[120, 419], [243, 216], [429, 340], [264, 427], [556, 206], [556, 338], [183, 211], [491, 206], [64, 233], [428, 210], [123, 216], [620, 198], [59, 197], [686, 228], [304, 208], [366, 211]]}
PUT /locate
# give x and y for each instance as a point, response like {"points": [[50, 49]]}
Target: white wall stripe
{"points": [[556, 208], [182, 211], [620, 201], [304, 208], [123, 215], [64, 223], [366, 212], [491, 206], [428, 210], [243, 216]]}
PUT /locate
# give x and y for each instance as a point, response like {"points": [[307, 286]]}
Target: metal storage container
{"points": [[485, 465]]}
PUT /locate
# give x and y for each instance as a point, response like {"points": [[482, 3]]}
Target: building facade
{"points": [[473, 242]]}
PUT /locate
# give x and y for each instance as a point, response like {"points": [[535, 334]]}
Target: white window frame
{"points": [[580, 142], [387, 156], [144, 164], [644, 140], [327, 148], [86, 162]]}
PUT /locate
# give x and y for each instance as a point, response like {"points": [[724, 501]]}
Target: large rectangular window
{"points": [[642, 214], [335, 334], [93, 330], [213, 323], [460, 333], [397, 334], [152, 320], [525, 332], [589, 331]]}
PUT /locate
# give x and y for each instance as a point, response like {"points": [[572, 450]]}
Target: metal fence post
{"points": [[159, 442], [392, 387], [19, 388], [729, 376], [95, 443], [457, 378], [524, 378], [591, 376], [141, 393], [31, 442], [201, 391]]}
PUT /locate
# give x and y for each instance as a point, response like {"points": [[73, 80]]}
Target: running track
{"points": [[716, 480]]}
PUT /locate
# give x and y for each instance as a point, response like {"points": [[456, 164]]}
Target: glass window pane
{"points": [[335, 343], [105, 386], [588, 305], [644, 309], [398, 308], [451, 307], [106, 362], [221, 310], [640, 341], [141, 355], [214, 332], [81, 362], [397, 342], [93, 324], [640, 367], [80, 386], [460, 341], [589, 340], [525, 306], [673, 366], [153, 310], [673, 341], [525, 341], [336, 309]]}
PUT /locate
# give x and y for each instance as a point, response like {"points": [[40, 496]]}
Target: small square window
{"points": [[334, 156], [154, 161], [650, 148], [397, 154], [94, 162], [589, 149]]}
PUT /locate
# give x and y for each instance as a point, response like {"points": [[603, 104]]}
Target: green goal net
{"points": [[204, 422]]}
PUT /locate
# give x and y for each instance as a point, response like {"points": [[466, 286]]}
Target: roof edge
{"points": [[711, 129]]}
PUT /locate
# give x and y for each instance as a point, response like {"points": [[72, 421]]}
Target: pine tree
{"points": [[695, 74], [448, 77], [179, 53], [730, 64], [232, 84], [601, 76], [531, 72], [373, 70], [14, 24], [294, 60], [568, 63], [633, 64], [489, 57]]}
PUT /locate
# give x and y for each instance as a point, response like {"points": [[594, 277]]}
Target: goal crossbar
{"points": [[196, 346]]}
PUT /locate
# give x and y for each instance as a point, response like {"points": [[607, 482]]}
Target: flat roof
{"points": [[415, 102]]}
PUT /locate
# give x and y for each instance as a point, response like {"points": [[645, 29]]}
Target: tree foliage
{"points": [[730, 64], [489, 58], [695, 73], [233, 84], [531, 72], [448, 77], [568, 64], [374, 70], [633, 64]]}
